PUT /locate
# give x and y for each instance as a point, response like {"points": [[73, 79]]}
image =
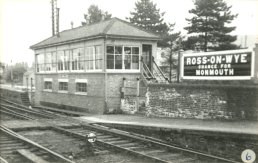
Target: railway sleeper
{"points": [[128, 145], [12, 148], [118, 142], [152, 151], [31, 156], [109, 139]]}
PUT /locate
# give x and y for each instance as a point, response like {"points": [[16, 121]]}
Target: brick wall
{"points": [[115, 83], [202, 101], [92, 102]]}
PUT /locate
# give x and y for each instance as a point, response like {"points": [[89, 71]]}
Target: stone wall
{"points": [[202, 101]]}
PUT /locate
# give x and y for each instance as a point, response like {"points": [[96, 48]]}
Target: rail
{"points": [[131, 136], [126, 141], [21, 138]]}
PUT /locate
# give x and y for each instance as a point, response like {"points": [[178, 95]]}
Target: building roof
{"points": [[114, 28]]}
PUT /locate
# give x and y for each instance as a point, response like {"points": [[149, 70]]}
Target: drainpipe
{"points": [[105, 72]]}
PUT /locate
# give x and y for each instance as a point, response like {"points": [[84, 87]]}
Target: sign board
{"points": [[220, 65]]}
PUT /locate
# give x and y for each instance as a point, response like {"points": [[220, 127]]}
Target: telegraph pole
{"points": [[57, 21], [11, 73], [53, 17]]}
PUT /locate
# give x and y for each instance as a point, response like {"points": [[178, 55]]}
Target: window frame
{"points": [[123, 59], [48, 80], [81, 81], [64, 62], [63, 81], [100, 54], [53, 62], [94, 58], [81, 49], [41, 68]]}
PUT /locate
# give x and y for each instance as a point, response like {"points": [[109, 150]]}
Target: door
{"points": [[147, 55]]}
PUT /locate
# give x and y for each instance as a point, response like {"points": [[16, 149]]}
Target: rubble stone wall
{"points": [[202, 101]]}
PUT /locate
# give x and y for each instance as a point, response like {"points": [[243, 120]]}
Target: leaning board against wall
{"points": [[220, 65]]}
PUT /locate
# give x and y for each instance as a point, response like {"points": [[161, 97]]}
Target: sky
{"points": [[27, 22]]}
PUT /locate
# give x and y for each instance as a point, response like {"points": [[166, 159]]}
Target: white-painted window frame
{"points": [[82, 62], [123, 57], [48, 80], [81, 81], [63, 81]]}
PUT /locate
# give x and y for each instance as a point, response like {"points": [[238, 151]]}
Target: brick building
{"points": [[84, 67]]}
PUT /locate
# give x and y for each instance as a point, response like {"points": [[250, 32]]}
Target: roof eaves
{"points": [[134, 37], [100, 35], [104, 31], [35, 45]]}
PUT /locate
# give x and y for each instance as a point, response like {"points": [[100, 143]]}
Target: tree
{"points": [[95, 15], [15, 73], [2, 68], [173, 45], [209, 26], [148, 16]]}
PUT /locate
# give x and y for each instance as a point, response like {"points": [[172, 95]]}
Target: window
{"points": [[114, 57], [40, 62], [50, 61], [63, 60], [127, 57], [63, 86], [123, 57], [98, 57], [77, 59], [93, 58], [81, 87], [89, 58], [110, 57], [48, 85], [118, 57], [135, 58]]}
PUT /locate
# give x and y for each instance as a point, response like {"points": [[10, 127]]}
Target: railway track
{"points": [[138, 145], [17, 110], [146, 148], [16, 149]]}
